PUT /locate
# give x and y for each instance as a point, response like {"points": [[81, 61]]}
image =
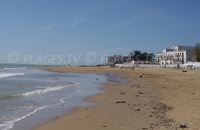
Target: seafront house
{"points": [[117, 59], [176, 55]]}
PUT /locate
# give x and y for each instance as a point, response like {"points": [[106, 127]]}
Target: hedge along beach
{"points": [[161, 99]]}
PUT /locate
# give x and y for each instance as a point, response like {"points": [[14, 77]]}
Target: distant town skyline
{"points": [[84, 32]]}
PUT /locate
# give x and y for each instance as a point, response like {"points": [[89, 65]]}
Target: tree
{"points": [[151, 57], [135, 55], [144, 56], [197, 52], [139, 56]]}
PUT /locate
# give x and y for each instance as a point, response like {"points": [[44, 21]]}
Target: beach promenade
{"points": [[161, 99]]}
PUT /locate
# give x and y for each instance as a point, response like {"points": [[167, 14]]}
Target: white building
{"points": [[117, 59], [176, 55]]}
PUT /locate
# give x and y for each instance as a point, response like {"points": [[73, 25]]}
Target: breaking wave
{"points": [[4, 75], [48, 89]]}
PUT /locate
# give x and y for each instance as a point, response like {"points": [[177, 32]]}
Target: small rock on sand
{"points": [[138, 109], [120, 102], [183, 126]]}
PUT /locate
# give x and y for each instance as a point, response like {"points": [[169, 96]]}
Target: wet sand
{"points": [[161, 99]]}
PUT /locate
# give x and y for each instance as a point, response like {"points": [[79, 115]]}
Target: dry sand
{"points": [[161, 99]]}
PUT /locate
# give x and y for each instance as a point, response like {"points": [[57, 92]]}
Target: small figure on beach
{"points": [[141, 75]]}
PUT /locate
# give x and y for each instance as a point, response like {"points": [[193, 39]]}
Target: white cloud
{"points": [[137, 18], [77, 22], [84, 13], [49, 27]]}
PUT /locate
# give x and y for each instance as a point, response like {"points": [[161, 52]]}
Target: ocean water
{"points": [[25, 91]]}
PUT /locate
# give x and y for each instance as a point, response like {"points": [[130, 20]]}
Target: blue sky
{"points": [[36, 28]]}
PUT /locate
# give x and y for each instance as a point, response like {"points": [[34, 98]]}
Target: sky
{"points": [[85, 31]]}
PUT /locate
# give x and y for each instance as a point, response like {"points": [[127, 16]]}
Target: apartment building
{"points": [[176, 55]]}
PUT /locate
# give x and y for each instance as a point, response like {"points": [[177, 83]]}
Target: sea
{"points": [[30, 97]]}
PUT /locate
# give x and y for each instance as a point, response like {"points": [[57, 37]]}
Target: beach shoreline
{"points": [[84, 86], [140, 103]]}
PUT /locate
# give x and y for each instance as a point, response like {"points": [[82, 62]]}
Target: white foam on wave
{"points": [[48, 89], [14, 68], [4, 75], [62, 100], [9, 125]]}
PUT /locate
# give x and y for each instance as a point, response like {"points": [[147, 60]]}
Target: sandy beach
{"points": [[161, 99]]}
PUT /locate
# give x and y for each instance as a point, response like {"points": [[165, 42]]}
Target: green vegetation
{"points": [[197, 52], [139, 56]]}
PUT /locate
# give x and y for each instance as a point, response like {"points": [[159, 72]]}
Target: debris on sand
{"points": [[120, 102]]}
